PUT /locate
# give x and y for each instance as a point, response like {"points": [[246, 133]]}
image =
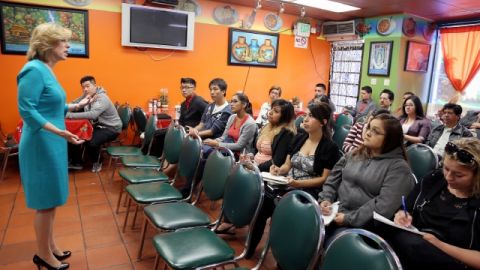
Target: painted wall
{"points": [[399, 81], [134, 76]]}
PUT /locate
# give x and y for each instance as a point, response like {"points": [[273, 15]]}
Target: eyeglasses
{"points": [[187, 87], [460, 154], [374, 132]]}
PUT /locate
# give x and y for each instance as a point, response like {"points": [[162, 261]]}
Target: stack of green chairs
{"points": [[422, 160], [201, 247], [340, 135], [179, 215]]}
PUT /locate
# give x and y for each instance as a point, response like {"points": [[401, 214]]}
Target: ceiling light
{"points": [[282, 8], [259, 5], [324, 4], [302, 12]]}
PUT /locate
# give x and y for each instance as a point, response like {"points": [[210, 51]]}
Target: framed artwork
{"points": [[380, 58], [417, 56], [252, 48], [17, 22]]}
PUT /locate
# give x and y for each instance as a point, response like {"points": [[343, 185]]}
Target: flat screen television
{"points": [[153, 27]]}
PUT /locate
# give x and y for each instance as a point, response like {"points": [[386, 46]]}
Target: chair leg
{"points": [[135, 217], [122, 187], [157, 260], [4, 165], [142, 240], [110, 162], [113, 170], [126, 214]]}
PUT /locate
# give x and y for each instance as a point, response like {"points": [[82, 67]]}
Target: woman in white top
{"points": [[274, 93]]}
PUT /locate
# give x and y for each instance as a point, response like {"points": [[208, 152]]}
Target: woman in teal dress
{"points": [[43, 147]]}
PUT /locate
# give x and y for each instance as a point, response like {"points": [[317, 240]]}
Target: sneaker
{"points": [[75, 166], [97, 167]]}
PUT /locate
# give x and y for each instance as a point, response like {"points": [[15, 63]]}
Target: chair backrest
{"points": [[340, 134], [125, 114], [243, 196], [140, 119], [217, 168], [422, 160], [172, 145], [342, 120], [298, 121], [189, 158], [150, 128], [297, 231], [362, 119], [359, 249]]}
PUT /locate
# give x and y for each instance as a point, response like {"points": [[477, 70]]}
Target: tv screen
{"points": [[157, 27]]}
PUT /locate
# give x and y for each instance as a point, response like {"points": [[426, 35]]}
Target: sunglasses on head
{"points": [[461, 155]]}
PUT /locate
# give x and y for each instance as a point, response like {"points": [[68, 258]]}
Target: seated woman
{"points": [[240, 129], [414, 124], [274, 93], [446, 204], [372, 178], [313, 154], [276, 136], [354, 138]]}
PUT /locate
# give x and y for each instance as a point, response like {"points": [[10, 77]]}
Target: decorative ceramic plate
{"points": [[385, 26], [78, 3], [225, 15], [272, 21], [189, 5], [409, 26], [363, 28], [428, 31]]}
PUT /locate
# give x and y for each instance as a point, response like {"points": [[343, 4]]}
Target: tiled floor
{"points": [[87, 225]]}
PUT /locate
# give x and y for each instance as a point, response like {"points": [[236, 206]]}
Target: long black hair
{"points": [[242, 98], [322, 112], [418, 107]]}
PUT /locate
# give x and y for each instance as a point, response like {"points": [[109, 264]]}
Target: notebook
{"points": [[378, 217], [274, 179], [328, 219]]}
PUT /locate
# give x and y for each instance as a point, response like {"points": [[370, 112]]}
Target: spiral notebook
{"points": [[378, 217], [274, 179]]}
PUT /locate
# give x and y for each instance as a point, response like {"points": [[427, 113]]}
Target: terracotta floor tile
{"points": [[78, 260], [67, 212], [73, 242], [107, 257], [7, 199], [95, 210], [147, 253], [89, 199], [89, 189], [120, 267], [22, 265], [9, 186], [145, 264], [104, 237], [98, 222], [83, 182], [15, 235], [17, 252], [67, 227], [22, 219]]}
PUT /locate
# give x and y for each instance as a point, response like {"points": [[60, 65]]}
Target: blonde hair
{"points": [[472, 146], [44, 38]]}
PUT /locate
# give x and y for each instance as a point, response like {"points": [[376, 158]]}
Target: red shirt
{"points": [[233, 132], [188, 100]]}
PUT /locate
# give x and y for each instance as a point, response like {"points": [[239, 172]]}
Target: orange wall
{"points": [[133, 76]]}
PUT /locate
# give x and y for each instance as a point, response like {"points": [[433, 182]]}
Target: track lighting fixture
{"points": [[282, 8], [259, 4], [302, 12]]}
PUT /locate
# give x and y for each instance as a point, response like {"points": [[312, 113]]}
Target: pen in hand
{"points": [[404, 206]]}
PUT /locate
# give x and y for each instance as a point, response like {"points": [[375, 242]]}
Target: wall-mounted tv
{"points": [[153, 27]]}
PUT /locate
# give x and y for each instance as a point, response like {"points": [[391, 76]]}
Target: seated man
{"points": [[472, 121], [321, 90], [191, 110], [101, 111], [216, 114], [365, 105], [386, 99], [449, 131]]}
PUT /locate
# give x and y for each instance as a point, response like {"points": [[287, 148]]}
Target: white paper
{"points": [[328, 219], [378, 217], [274, 179]]}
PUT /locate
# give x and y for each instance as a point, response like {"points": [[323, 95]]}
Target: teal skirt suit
{"points": [[42, 154]]}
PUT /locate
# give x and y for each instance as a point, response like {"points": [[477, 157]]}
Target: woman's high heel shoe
{"points": [[66, 254], [41, 263]]}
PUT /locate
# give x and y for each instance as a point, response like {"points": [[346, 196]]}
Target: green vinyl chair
{"points": [[171, 153], [179, 215], [355, 249], [296, 232], [200, 247], [341, 121], [340, 134], [154, 192], [422, 160], [299, 121]]}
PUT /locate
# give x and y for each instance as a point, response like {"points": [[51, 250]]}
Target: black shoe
{"points": [[66, 254], [41, 263]]}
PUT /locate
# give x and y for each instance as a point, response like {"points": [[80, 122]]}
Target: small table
{"points": [[80, 127]]}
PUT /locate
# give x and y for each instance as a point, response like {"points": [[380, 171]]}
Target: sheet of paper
{"points": [[378, 217], [328, 219], [279, 180]]}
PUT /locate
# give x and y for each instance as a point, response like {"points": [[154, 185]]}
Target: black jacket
{"points": [[430, 187], [280, 149], [192, 116]]}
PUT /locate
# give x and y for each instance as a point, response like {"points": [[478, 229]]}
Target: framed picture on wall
{"points": [[17, 22], [252, 48], [417, 56], [379, 59]]}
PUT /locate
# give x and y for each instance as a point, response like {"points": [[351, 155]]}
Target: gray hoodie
{"points": [[366, 185], [101, 111]]}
